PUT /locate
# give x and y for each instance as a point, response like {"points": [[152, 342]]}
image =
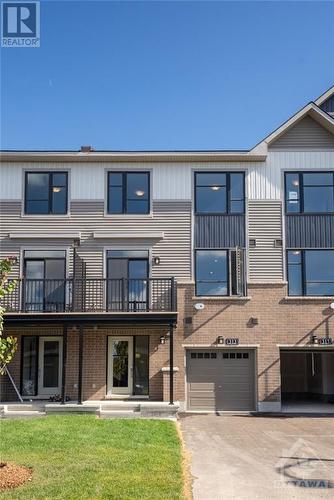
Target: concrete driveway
{"points": [[247, 457]]}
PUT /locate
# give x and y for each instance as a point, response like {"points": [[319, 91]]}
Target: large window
{"points": [[128, 192], [311, 272], [309, 192], [45, 193], [211, 272], [219, 193]]}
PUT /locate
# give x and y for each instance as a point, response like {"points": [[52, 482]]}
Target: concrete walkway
{"points": [[248, 457]]}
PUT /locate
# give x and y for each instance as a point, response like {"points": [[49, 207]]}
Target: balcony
{"points": [[36, 296]]}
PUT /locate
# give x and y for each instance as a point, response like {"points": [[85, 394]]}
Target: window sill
{"points": [[128, 216], [309, 297], [228, 298], [45, 216]]}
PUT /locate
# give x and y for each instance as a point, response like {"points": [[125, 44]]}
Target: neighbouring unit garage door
{"points": [[221, 379]]}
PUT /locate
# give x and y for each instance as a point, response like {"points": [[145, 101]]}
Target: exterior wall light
{"points": [[254, 321], [162, 339], [156, 261], [220, 340], [314, 339]]}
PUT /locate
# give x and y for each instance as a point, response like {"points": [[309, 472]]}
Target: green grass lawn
{"points": [[79, 456]]}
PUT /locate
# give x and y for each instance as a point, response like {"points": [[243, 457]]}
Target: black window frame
{"points": [[302, 265], [228, 192], [300, 174], [124, 174], [50, 174]]}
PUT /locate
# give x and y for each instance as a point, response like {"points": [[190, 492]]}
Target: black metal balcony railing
{"points": [[92, 295]]}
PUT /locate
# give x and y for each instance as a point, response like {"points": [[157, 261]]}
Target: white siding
{"points": [[171, 181], [265, 182]]}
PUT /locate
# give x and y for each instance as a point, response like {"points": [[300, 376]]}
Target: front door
{"points": [[50, 366], [120, 365]]}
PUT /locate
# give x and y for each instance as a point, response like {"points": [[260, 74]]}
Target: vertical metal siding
{"points": [[219, 231], [309, 231], [265, 225], [265, 181]]}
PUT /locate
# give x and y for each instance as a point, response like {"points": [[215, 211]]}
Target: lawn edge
{"points": [[188, 479]]}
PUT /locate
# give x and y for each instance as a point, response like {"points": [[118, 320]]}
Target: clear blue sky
{"points": [[164, 75]]}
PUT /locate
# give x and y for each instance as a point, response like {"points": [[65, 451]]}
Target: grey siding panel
{"points": [[171, 217], [307, 134], [265, 225], [328, 105], [309, 231], [219, 231]]}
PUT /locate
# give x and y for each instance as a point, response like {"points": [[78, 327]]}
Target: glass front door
{"points": [[120, 365], [50, 366]]}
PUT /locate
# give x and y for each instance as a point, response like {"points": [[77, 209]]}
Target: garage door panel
{"points": [[223, 380]]}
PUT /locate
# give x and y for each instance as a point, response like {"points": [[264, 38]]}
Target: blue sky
{"points": [[164, 75]]}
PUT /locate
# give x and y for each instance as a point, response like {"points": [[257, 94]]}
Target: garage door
{"points": [[221, 380]]}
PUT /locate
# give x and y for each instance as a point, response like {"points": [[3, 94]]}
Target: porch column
{"points": [[63, 381], [171, 364], [81, 338]]}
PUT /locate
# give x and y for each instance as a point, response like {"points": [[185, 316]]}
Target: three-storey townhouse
{"points": [[202, 278]]}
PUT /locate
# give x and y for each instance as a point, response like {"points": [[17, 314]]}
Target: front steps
{"points": [[102, 409]]}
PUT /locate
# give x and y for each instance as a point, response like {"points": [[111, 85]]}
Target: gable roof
{"points": [[312, 110], [325, 96]]}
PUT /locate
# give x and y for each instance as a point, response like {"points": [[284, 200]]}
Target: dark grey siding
{"points": [[219, 231], [328, 105], [306, 135], [309, 231]]}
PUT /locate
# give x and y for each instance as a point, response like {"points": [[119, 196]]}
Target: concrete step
{"points": [[22, 414], [120, 406], [118, 414], [70, 408], [24, 407]]}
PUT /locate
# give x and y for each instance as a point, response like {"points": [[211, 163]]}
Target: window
{"points": [[220, 272], [311, 192], [311, 272], [128, 271], [45, 283], [128, 193], [211, 272], [219, 193], [45, 193]]}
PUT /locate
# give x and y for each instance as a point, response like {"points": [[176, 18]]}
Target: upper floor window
{"points": [[219, 193], [128, 192], [311, 192], [45, 193], [311, 272]]}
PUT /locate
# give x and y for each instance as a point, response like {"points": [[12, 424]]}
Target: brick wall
{"points": [[281, 321], [94, 359]]}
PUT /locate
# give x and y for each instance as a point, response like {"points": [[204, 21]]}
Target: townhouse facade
{"points": [[204, 279]]}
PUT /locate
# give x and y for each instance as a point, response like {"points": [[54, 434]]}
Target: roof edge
{"points": [[128, 156]]}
